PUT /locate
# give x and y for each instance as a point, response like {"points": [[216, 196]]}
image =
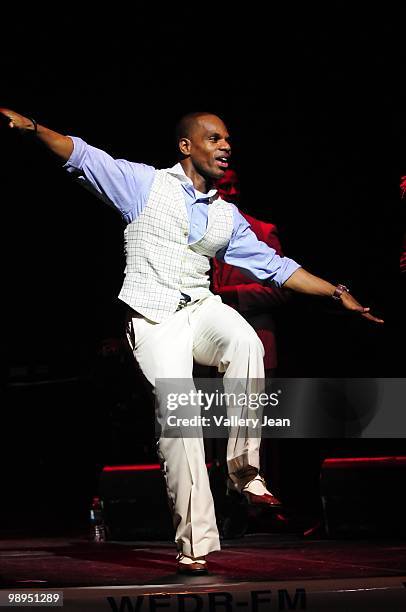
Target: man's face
{"points": [[208, 147], [229, 187]]}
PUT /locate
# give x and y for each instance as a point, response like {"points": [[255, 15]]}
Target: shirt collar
{"points": [[178, 171]]}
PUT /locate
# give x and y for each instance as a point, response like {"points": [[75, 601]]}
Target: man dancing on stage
{"points": [[175, 224]]}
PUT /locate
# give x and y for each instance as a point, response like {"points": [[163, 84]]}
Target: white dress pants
{"points": [[212, 334]]}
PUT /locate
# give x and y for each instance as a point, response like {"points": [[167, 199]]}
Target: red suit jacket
{"points": [[253, 300], [403, 256]]}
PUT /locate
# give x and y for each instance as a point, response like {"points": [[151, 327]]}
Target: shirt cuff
{"points": [[288, 267], [75, 162]]}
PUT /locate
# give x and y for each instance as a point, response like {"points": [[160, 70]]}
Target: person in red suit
{"points": [[255, 303], [403, 247], [253, 300]]}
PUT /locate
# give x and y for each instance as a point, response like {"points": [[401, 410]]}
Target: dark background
{"points": [[308, 98]]}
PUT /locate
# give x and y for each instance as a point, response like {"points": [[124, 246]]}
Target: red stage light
{"points": [[142, 467], [336, 462], [132, 468]]}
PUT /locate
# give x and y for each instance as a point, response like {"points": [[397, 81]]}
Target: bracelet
{"points": [[339, 290], [34, 123]]}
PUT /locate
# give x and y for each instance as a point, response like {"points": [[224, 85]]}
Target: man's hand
{"points": [[351, 304], [305, 282], [11, 119], [58, 144]]}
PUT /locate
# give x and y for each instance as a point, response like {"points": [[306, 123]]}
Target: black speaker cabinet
{"points": [[364, 496], [133, 503]]}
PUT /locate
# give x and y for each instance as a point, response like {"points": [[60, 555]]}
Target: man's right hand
{"points": [[11, 119], [60, 145]]}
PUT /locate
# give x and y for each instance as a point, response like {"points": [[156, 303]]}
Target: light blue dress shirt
{"points": [[126, 186]]}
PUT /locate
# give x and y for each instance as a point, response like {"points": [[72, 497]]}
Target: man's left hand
{"points": [[351, 304]]}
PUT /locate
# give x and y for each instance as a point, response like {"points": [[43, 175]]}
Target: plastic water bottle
{"points": [[97, 525]]}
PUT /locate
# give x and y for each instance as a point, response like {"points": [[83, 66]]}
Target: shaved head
{"points": [[187, 124]]}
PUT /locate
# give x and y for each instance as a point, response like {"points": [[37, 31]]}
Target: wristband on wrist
{"points": [[339, 290], [34, 123]]}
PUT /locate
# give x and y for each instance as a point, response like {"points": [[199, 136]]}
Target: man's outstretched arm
{"points": [[60, 145], [123, 184], [304, 282], [261, 262]]}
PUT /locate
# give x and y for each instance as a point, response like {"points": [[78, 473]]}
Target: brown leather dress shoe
{"points": [[267, 499], [261, 496], [191, 569]]}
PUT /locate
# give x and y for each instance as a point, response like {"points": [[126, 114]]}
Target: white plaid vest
{"points": [[160, 262]]}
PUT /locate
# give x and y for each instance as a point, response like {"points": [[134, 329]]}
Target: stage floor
{"points": [[295, 570]]}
